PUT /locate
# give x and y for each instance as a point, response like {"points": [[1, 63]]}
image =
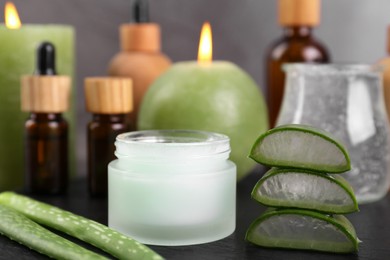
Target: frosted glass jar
{"points": [[347, 101], [172, 187]]}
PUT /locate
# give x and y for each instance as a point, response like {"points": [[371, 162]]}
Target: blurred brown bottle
{"points": [[109, 100], [46, 149], [297, 44], [46, 96], [385, 63], [140, 57]]}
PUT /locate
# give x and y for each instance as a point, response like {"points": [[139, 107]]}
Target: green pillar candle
{"points": [[17, 57], [212, 96], [217, 96]]}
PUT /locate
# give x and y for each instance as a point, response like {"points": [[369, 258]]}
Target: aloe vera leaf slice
{"points": [[301, 146], [284, 187], [303, 229]]}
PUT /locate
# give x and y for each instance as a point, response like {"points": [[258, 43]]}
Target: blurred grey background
{"points": [[353, 30]]}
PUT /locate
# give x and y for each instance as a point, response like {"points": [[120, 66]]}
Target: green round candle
{"points": [[216, 96], [17, 57]]}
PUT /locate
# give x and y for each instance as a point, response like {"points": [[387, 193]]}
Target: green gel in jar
{"points": [[172, 187]]}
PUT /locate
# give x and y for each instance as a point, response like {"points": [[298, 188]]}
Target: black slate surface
{"points": [[371, 225]]}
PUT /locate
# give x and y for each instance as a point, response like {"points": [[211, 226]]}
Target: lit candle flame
{"points": [[12, 20], [205, 52]]}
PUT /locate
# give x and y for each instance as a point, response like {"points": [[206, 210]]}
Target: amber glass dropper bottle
{"points": [[298, 18], [385, 63], [109, 100], [140, 57], [46, 96]]}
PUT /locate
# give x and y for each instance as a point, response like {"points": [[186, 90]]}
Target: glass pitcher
{"points": [[347, 101]]}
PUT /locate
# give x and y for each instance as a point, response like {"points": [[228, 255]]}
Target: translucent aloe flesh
{"points": [[303, 147], [303, 229], [305, 189]]}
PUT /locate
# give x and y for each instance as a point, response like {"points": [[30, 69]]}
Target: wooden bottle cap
{"points": [[299, 12], [108, 95], [140, 37], [45, 94]]}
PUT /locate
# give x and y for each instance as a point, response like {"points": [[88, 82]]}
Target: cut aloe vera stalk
{"points": [[304, 189], [299, 146], [26, 232], [303, 229]]}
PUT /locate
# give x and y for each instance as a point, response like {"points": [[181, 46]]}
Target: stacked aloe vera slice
{"points": [[304, 190]]}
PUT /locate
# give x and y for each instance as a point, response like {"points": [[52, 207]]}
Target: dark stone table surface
{"points": [[371, 225]]}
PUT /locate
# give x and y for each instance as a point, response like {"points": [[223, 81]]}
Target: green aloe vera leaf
{"points": [[92, 232], [18, 227]]}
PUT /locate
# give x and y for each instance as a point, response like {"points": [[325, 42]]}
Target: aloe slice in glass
{"points": [[300, 146], [303, 229], [283, 187]]}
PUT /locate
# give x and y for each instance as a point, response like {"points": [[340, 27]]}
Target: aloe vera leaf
{"points": [[82, 228], [18, 227]]}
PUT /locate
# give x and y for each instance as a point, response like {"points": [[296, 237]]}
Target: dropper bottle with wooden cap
{"points": [[109, 100], [46, 96], [140, 57], [298, 18]]}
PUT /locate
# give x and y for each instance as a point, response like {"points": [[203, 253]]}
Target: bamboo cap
{"points": [[140, 37], [299, 12], [45, 94], [108, 95]]}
